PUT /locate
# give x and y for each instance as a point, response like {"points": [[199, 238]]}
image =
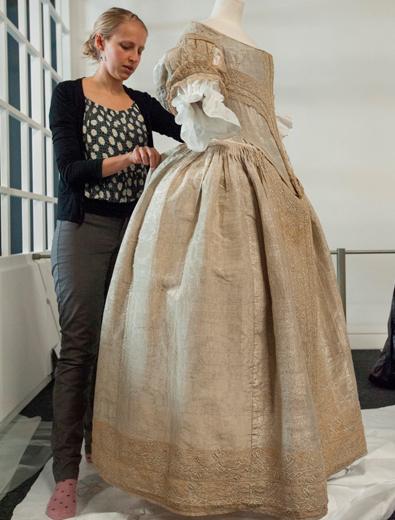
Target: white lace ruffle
{"points": [[284, 124], [202, 114]]}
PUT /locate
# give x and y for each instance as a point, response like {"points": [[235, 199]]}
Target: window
{"points": [[34, 57]]}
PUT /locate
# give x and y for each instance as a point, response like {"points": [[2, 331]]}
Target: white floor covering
{"points": [[366, 492]]}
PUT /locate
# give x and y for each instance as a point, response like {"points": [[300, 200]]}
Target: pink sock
{"points": [[63, 502]]}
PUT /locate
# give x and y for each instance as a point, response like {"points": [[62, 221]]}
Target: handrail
{"points": [[366, 251], [341, 254], [40, 256]]}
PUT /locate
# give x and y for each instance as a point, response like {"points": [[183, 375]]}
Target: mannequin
{"points": [[226, 18]]}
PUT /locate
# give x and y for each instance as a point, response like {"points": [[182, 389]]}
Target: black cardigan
{"points": [[66, 120]]}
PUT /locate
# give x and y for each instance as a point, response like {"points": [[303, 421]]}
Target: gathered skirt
{"points": [[225, 380]]}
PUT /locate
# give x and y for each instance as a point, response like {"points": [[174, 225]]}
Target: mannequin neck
{"points": [[229, 11], [226, 18]]}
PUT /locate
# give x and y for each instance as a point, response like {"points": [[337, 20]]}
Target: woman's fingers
{"points": [[138, 155], [154, 157], [151, 157], [135, 155], [145, 155]]}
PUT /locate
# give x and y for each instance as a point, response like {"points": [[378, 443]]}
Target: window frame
{"points": [[36, 234]]}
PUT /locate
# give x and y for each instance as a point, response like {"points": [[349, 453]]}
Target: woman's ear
{"points": [[99, 42]]}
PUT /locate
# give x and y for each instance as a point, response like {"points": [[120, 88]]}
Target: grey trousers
{"points": [[83, 258]]}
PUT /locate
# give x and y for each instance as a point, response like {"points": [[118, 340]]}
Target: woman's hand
{"points": [[145, 155], [140, 155]]}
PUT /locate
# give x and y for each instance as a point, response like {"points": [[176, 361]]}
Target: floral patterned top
{"points": [[107, 132]]}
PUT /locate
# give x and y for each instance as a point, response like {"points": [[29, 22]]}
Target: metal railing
{"points": [[341, 254], [40, 256]]}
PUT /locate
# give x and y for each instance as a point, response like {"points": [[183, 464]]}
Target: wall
{"points": [[335, 76]]}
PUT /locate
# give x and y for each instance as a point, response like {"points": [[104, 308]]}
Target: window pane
{"points": [[31, 225], [15, 153], [42, 28], [14, 97], [29, 83], [44, 94], [53, 85], [28, 18], [54, 62], [1, 248], [45, 166], [39, 225], [51, 223], [55, 177], [45, 227], [12, 11], [55, 166], [16, 225], [26, 206], [37, 175], [30, 159]]}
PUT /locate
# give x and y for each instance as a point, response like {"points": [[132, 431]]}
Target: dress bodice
{"points": [[241, 73], [245, 73]]}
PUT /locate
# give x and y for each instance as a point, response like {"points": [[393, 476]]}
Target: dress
{"points": [[225, 380]]}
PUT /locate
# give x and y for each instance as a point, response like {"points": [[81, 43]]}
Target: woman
{"points": [[102, 137]]}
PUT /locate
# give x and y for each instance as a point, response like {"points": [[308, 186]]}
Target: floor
{"points": [[370, 397]]}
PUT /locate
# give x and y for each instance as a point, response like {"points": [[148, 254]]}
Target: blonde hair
{"points": [[106, 25]]}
